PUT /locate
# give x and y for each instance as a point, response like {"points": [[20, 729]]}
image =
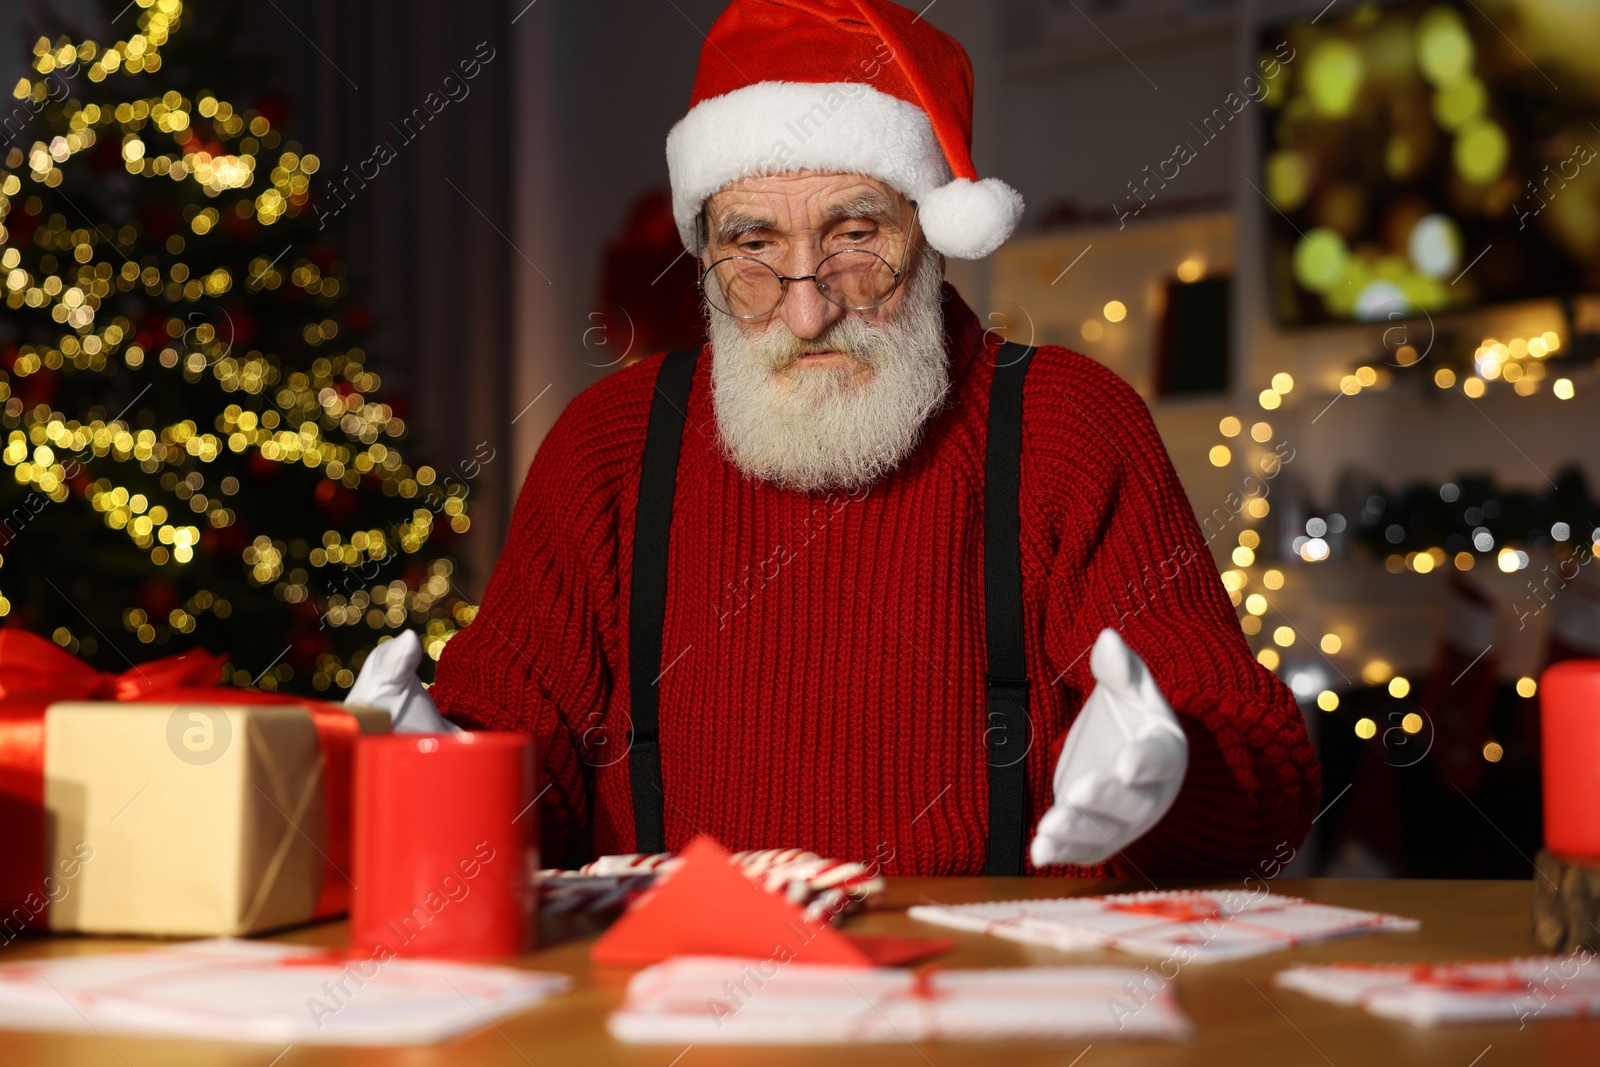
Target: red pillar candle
{"points": [[1569, 704], [443, 845]]}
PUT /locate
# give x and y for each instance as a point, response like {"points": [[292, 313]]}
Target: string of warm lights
{"points": [[1519, 363], [1248, 589]]}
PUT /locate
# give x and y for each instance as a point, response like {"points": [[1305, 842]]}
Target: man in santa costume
{"points": [[856, 577]]}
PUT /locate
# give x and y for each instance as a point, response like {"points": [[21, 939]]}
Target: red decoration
{"points": [[307, 647], [1569, 695], [707, 907], [261, 467], [238, 328], [1461, 687], [240, 227], [20, 227], [335, 501], [276, 109], [39, 387], [649, 302]]}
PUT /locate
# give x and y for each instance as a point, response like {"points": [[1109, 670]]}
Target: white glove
{"points": [[388, 680], [1121, 767]]}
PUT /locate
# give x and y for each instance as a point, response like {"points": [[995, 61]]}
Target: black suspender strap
{"points": [[1009, 733], [652, 527]]}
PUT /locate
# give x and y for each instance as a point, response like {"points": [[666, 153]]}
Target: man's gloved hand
{"points": [[388, 680], [1121, 767]]}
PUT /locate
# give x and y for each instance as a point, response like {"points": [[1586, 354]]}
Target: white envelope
{"points": [[230, 990], [1194, 925], [1427, 994], [717, 1000]]}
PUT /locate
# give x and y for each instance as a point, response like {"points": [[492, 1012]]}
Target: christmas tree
{"points": [[198, 453]]}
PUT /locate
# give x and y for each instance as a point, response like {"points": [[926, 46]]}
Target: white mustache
{"points": [[778, 349]]}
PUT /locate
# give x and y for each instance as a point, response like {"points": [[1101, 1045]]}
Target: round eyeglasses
{"points": [[748, 288], [852, 278]]}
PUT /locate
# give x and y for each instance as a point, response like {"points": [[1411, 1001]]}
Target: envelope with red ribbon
{"points": [[720, 1000], [1430, 994], [157, 802], [1188, 925]]}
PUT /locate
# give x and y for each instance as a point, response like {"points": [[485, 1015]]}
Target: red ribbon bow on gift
{"points": [[33, 669], [35, 673]]}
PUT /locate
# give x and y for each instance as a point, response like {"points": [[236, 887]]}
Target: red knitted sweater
{"points": [[822, 678]]}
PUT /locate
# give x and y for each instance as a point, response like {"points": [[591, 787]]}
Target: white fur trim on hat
{"points": [[838, 127]]}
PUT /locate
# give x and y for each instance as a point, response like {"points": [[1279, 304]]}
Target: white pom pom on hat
{"points": [[967, 219], [839, 86]]}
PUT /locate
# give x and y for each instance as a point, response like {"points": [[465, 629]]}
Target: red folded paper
{"points": [[35, 673], [707, 907]]}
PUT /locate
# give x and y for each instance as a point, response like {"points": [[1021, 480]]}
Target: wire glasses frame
{"points": [[858, 280]]}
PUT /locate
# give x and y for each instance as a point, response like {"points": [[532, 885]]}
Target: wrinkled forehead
{"points": [[794, 203]]}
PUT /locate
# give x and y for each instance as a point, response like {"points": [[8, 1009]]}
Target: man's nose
{"points": [[804, 309]]}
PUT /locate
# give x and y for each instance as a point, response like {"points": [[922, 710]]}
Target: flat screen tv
{"points": [[1430, 157]]}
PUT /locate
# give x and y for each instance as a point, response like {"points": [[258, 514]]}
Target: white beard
{"points": [[822, 429]]}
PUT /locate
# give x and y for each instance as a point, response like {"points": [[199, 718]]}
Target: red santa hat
{"points": [[842, 86]]}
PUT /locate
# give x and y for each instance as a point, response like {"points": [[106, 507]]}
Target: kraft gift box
{"points": [[229, 837]]}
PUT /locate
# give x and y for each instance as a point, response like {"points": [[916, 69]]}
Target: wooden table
{"points": [[1241, 1018]]}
